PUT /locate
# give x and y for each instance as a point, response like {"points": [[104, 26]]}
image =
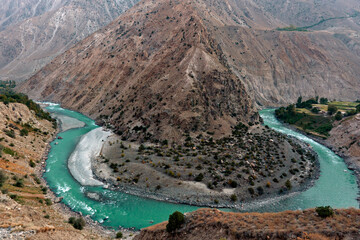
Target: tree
{"points": [[338, 116], [288, 184], [299, 101], [358, 108], [315, 110], [176, 220], [324, 212], [332, 109], [233, 198], [199, 177], [324, 100], [79, 223], [119, 235]]}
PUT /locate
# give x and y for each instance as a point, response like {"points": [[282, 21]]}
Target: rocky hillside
{"points": [[33, 32], [279, 66], [25, 203], [15, 11], [147, 83], [198, 66], [302, 225], [345, 141]]}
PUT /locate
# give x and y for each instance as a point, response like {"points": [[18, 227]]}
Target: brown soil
{"points": [[300, 225], [23, 215]]}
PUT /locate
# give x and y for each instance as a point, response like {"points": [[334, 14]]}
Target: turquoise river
{"points": [[336, 186]]}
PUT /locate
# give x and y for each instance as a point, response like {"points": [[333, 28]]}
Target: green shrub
{"points": [[119, 235], [24, 132], [79, 223], [48, 201], [288, 184], [71, 220], [332, 109], [324, 212], [9, 133], [233, 198], [2, 178], [9, 151], [338, 116], [32, 164], [176, 220], [199, 177], [19, 183], [251, 191]]}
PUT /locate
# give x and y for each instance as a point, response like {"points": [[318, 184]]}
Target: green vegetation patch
{"points": [[176, 220], [316, 116], [307, 122], [9, 96], [293, 28]]}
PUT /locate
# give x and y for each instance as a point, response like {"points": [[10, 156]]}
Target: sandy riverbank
{"points": [[79, 162], [91, 225]]}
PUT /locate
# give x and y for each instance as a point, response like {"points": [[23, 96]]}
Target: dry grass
{"points": [[306, 225]]}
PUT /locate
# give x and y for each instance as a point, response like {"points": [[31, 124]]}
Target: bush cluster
{"points": [[78, 223], [176, 220]]}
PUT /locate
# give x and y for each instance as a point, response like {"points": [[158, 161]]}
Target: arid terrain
{"points": [[301, 225], [250, 164], [26, 205], [345, 141], [174, 66], [33, 32]]}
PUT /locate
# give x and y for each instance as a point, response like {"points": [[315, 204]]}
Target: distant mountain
{"points": [[169, 67], [15, 11], [33, 32]]}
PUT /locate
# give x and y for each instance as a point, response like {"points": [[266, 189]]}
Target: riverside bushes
{"points": [[324, 212], [176, 220], [78, 223]]}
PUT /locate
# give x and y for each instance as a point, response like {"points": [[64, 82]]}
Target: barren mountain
{"points": [[165, 67], [34, 32], [155, 71], [15, 11]]}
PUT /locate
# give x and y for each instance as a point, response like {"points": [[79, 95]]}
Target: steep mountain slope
{"points": [[15, 11], [47, 30], [278, 66], [155, 71], [345, 141], [24, 201], [171, 66]]}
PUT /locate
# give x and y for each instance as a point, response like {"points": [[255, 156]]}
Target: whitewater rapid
{"points": [[88, 147]]}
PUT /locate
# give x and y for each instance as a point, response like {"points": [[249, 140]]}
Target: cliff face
{"points": [[156, 69], [33, 32], [345, 140], [303, 225]]}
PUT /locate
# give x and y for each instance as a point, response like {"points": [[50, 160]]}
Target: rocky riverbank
{"points": [[344, 141]]}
